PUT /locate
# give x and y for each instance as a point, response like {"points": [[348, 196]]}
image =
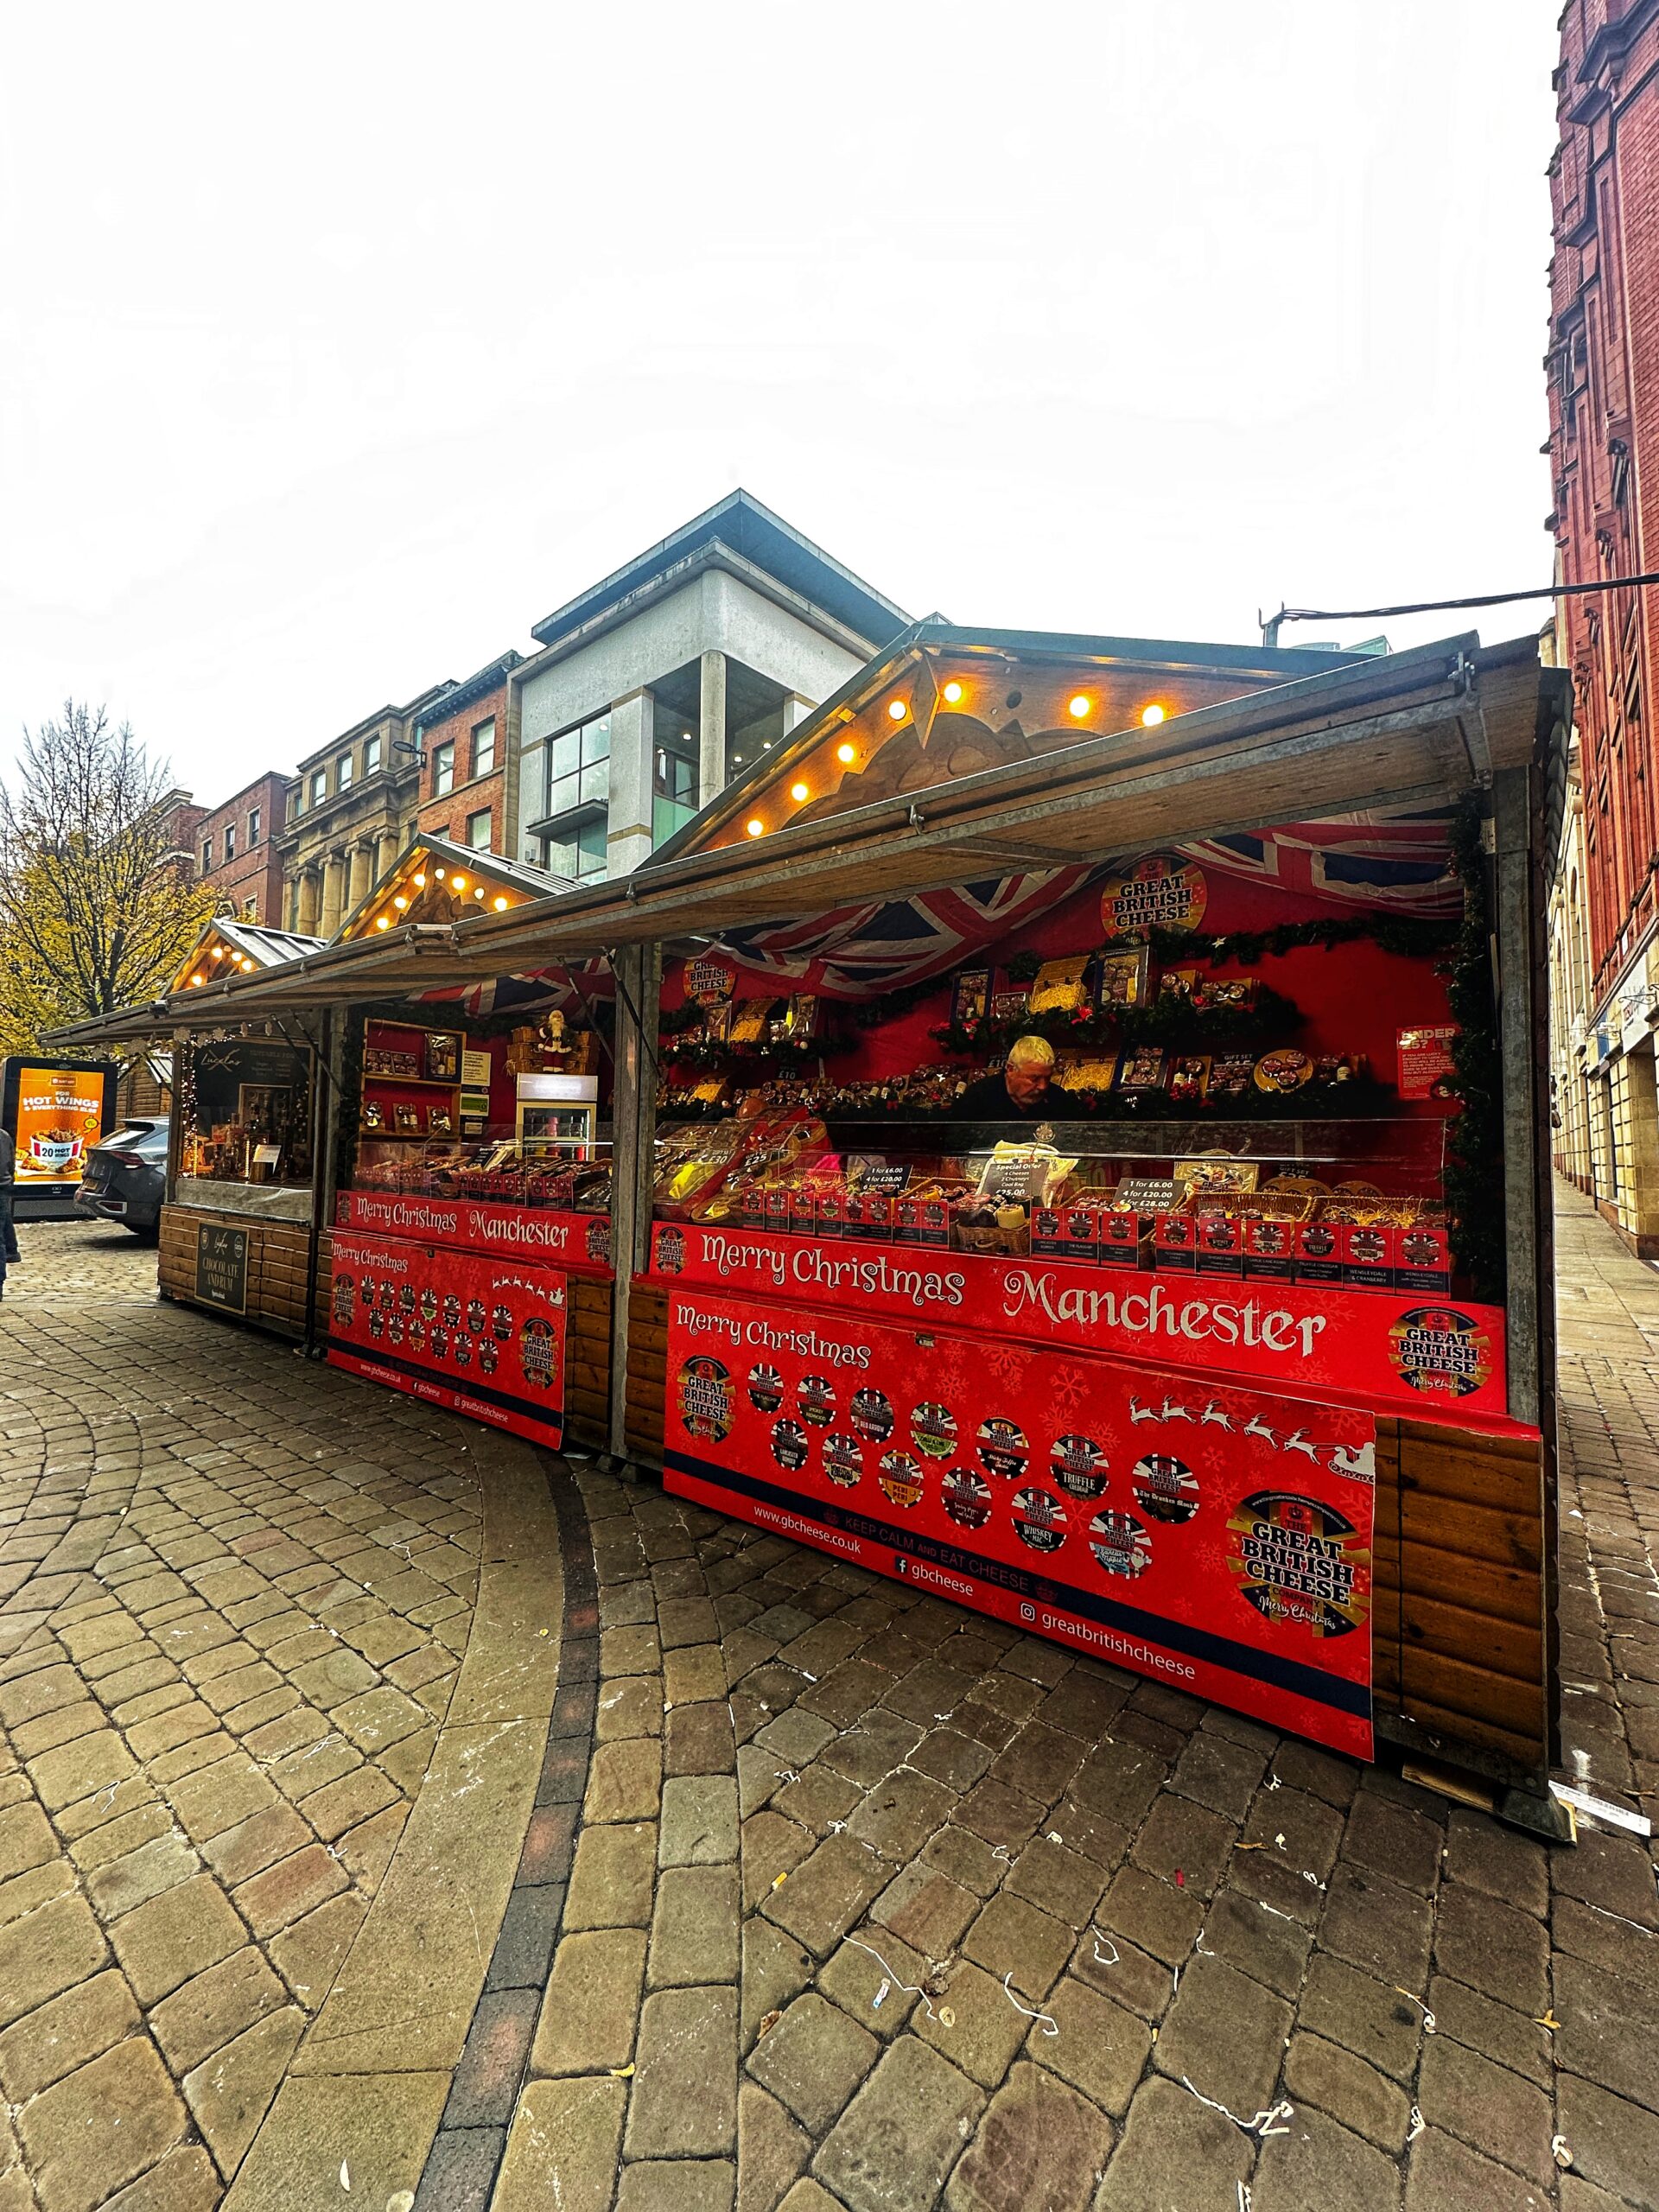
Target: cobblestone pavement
{"points": [[832, 1894], [233, 1590]]}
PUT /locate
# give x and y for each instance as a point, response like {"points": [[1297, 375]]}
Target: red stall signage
{"points": [[577, 1241], [479, 1335], [1422, 1354], [1213, 1538]]}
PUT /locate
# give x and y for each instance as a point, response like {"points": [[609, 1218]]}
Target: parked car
{"points": [[125, 1178]]}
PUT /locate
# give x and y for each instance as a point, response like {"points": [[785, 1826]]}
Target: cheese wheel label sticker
{"points": [[1120, 1544], [706, 1398], [343, 1288], [406, 1298], [1078, 1465], [817, 1397], [902, 1480], [1038, 1520], [451, 1309], [463, 1346], [476, 1316], [789, 1445], [438, 1344], [429, 1307], [1002, 1448], [488, 1359], [967, 1496], [668, 1257], [1160, 892], [766, 1388], [536, 1351], [843, 1460], [500, 1321], [1440, 1351], [872, 1414], [1300, 1562], [933, 1431], [598, 1241], [1165, 1488]]}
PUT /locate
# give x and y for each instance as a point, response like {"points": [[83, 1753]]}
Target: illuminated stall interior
{"points": [[437, 881], [227, 948]]}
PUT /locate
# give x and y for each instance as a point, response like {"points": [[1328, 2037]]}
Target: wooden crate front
{"points": [[588, 1363], [279, 1254], [1460, 1650]]}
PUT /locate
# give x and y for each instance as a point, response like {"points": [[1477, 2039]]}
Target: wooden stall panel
{"points": [[647, 1377], [588, 1361]]}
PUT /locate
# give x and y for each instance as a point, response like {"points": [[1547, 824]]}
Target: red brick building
{"points": [[1603, 399], [234, 849], [464, 786]]}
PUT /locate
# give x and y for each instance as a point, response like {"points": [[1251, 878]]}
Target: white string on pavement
{"points": [[1049, 2027], [910, 1988], [1270, 2122], [1428, 2017]]}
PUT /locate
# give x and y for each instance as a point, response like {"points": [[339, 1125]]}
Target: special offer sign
{"points": [[60, 1116], [480, 1336], [1215, 1538]]}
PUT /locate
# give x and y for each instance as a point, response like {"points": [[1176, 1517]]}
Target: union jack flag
{"points": [[860, 951], [1389, 858]]}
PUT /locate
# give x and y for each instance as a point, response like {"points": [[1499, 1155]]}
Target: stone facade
{"points": [[350, 810], [468, 740]]}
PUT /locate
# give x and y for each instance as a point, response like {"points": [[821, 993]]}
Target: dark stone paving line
{"points": [[466, 2152]]}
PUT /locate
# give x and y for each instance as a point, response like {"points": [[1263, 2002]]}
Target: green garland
{"points": [[1414, 939], [1170, 1021], [1474, 1173]]}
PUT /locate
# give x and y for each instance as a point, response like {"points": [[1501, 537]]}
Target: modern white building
{"points": [[654, 686]]}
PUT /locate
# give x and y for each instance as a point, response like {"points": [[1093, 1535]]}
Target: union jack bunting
{"points": [[1389, 858], [538, 992], [860, 951]]}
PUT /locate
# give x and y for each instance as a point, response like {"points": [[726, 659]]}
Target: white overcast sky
{"points": [[339, 345]]}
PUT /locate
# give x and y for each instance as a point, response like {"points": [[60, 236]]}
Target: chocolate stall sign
{"points": [[480, 1336], [1160, 892], [1388, 1348], [580, 1242], [1213, 1538], [222, 1267]]}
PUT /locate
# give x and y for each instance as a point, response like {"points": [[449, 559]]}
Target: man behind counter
{"points": [[1016, 1091]]}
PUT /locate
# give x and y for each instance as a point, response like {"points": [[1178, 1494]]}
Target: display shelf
{"points": [[418, 1082]]}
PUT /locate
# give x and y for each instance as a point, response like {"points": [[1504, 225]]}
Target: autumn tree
{"points": [[97, 906]]}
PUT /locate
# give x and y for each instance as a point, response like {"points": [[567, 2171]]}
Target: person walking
{"points": [[10, 1256]]}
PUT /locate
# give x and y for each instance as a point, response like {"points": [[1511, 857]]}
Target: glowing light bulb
{"points": [[952, 693], [1152, 715], [438, 872], [400, 902], [897, 710], [500, 905], [219, 952], [798, 792], [846, 754], [458, 882], [757, 827], [478, 892], [420, 881], [1078, 707], [197, 979]]}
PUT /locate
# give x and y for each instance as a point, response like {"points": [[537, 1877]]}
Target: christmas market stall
{"points": [[1098, 1180]]}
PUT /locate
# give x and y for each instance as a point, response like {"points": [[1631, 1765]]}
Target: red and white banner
{"points": [[578, 1242], [1423, 1354], [1214, 1538], [479, 1335]]}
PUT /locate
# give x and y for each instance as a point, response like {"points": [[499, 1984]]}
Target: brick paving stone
{"points": [[47, 1952], [101, 2126], [1225, 2032], [561, 2148], [1101, 2048], [1445, 2175], [693, 1928], [685, 2090], [1494, 1947], [1319, 2166], [1486, 2106], [59, 2037], [230, 2093], [587, 2024], [212, 2008], [1322, 2074], [677, 2185], [824, 1895], [771, 2149], [122, 1884], [612, 1877], [926, 1909], [1039, 2143], [902, 2132], [698, 1820], [1363, 2015], [161, 1943], [813, 2060], [975, 2023]]}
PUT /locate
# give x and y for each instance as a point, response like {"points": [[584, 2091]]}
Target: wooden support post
{"points": [[638, 972], [1512, 911]]}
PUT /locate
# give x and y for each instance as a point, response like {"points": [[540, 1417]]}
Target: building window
{"points": [[580, 852], [229, 841], [443, 768], [206, 855], [253, 827], [343, 772], [318, 786], [478, 830], [371, 755], [483, 748], [579, 766]]}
